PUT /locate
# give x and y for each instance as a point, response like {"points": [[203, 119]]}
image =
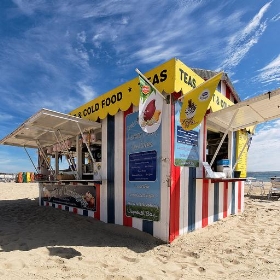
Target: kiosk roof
{"points": [[248, 113], [42, 126]]}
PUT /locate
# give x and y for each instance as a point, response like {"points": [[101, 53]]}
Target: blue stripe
{"points": [[191, 198], [148, 227], [53, 205], [233, 198], [66, 208], [111, 168], [85, 212], [216, 202]]}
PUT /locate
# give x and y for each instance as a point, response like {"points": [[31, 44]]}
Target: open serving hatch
{"points": [[46, 128], [245, 115]]}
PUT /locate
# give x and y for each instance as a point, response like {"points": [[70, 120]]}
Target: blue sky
{"points": [[61, 54]]}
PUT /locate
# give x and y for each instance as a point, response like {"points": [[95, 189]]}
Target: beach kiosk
{"points": [[142, 170]]}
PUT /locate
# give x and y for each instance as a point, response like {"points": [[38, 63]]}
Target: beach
{"points": [[46, 243]]}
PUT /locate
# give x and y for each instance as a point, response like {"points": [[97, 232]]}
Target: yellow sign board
{"points": [[241, 137], [186, 80], [170, 76], [127, 94]]}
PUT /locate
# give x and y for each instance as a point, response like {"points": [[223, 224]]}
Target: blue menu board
{"points": [[186, 150], [143, 153], [143, 166]]}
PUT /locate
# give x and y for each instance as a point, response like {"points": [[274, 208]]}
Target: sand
{"points": [[46, 243]]}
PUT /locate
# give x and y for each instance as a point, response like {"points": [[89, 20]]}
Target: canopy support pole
{"points": [[45, 157], [223, 138], [89, 151], [88, 148], [30, 159], [71, 163]]}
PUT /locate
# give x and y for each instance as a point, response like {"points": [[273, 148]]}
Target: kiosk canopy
{"points": [[247, 113], [43, 127]]}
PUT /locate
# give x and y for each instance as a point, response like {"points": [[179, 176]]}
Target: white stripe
{"points": [[184, 189], [161, 228], [242, 196], [119, 120], [137, 223], [229, 198], [221, 200], [210, 203]]}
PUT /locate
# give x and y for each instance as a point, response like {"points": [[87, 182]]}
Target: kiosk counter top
{"points": [[217, 180], [70, 182]]}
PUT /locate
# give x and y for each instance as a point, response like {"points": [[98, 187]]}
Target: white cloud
{"points": [[264, 152], [276, 18], [5, 117], [271, 72], [81, 36], [86, 91], [240, 43], [29, 7]]}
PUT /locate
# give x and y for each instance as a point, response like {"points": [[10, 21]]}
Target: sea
{"points": [[264, 175]]}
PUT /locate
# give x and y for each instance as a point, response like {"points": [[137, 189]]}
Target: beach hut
{"points": [[20, 177], [133, 162]]}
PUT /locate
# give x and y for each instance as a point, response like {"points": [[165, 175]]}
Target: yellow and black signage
{"points": [[171, 76], [122, 97]]}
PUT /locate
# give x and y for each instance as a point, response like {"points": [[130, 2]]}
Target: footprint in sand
{"points": [[14, 265], [112, 270], [134, 260], [193, 255], [201, 269]]}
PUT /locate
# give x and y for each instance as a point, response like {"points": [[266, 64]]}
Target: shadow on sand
{"points": [[24, 225]]}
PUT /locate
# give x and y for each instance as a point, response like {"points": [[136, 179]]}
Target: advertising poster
{"points": [[71, 195], [150, 107], [186, 150], [143, 153], [242, 138]]}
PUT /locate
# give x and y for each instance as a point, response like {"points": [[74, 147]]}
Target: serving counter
{"points": [[75, 193]]}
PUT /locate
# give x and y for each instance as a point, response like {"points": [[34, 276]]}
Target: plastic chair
{"points": [[275, 188], [254, 183]]}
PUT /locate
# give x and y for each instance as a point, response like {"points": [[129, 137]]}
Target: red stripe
{"points": [[97, 212], [239, 196], [225, 199], [127, 221], [227, 92], [59, 206], [75, 210], [175, 187], [205, 192]]}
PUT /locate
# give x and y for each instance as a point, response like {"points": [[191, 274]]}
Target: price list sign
{"points": [[186, 150], [142, 184]]}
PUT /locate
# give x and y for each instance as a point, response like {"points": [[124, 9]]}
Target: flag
{"points": [[196, 102], [150, 106]]}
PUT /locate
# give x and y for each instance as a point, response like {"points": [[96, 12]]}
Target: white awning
{"points": [[43, 125], [247, 113]]}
